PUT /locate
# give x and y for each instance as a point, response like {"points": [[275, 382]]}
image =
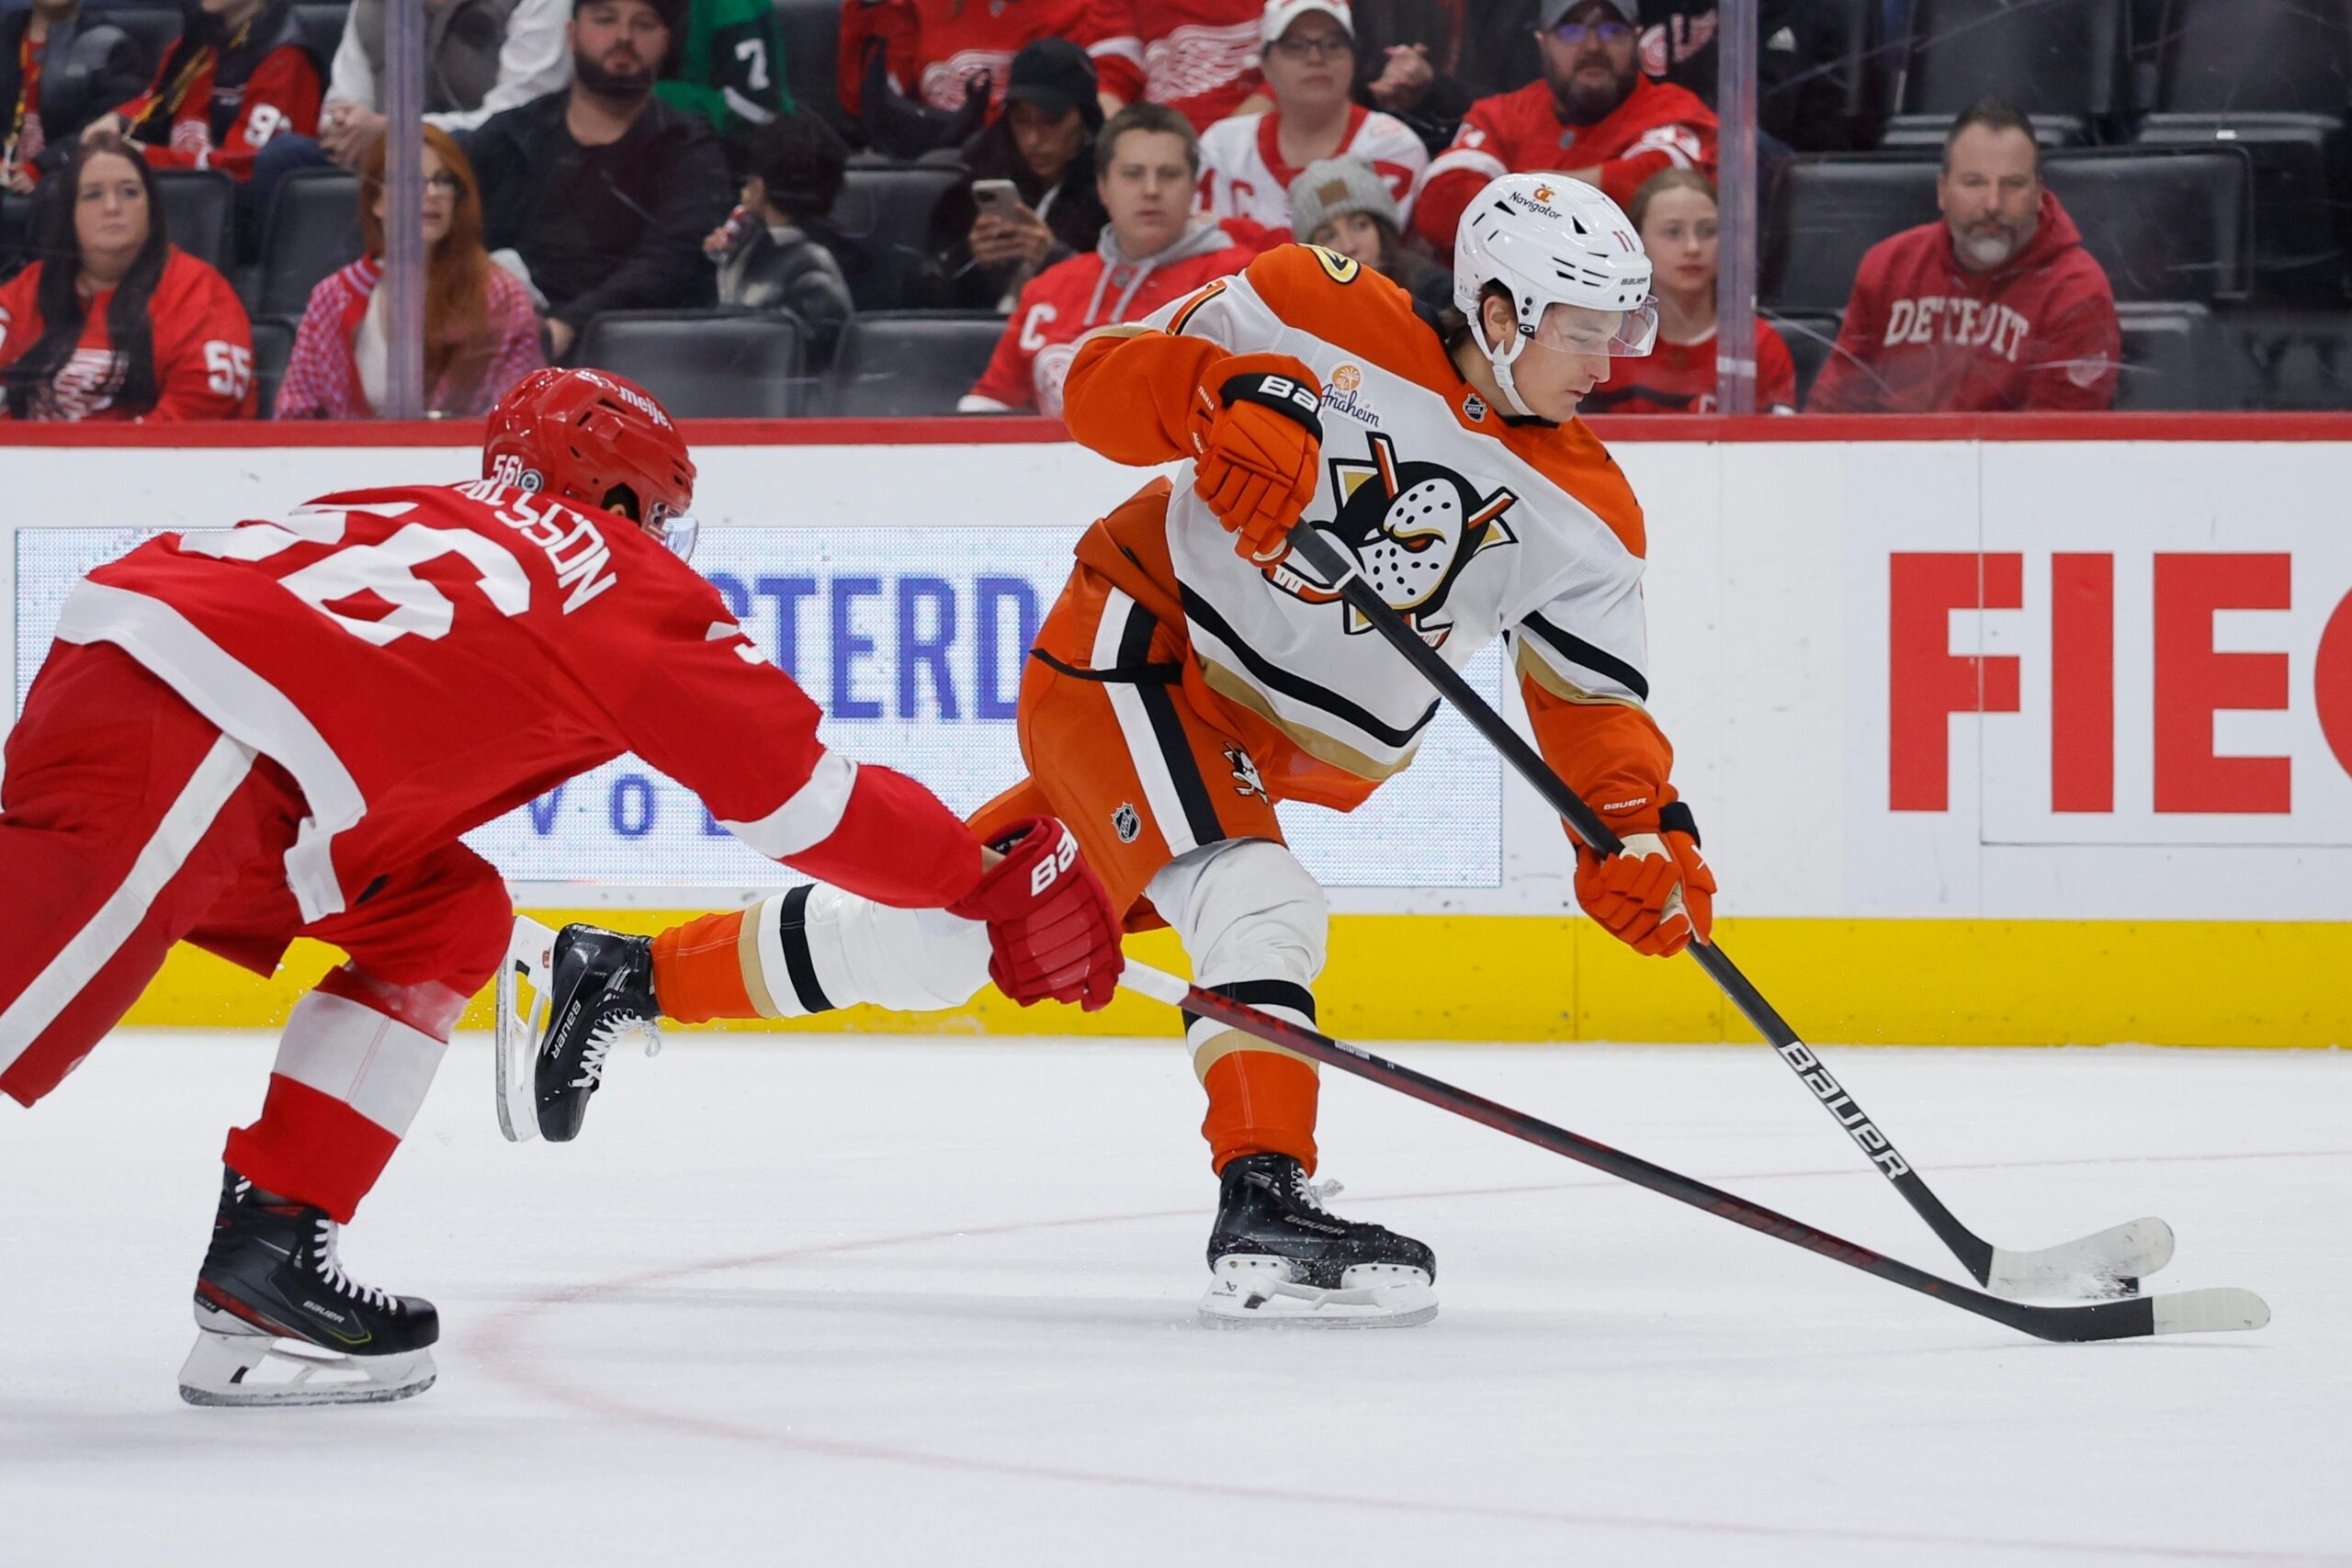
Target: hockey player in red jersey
{"points": [[1191, 676], [1592, 115], [281, 729]]}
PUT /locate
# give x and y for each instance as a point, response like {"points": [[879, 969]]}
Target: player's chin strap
{"points": [[1502, 362]]}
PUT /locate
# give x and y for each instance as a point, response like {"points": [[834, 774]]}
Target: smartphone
{"points": [[996, 199]]}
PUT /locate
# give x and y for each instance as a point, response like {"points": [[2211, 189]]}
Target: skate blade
{"points": [[1258, 1292], [522, 1022], [247, 1370]]}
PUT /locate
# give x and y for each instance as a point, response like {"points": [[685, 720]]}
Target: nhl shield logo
{"points": [[1125, 823]]}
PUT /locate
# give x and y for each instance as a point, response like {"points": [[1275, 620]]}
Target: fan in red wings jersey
{"points": [[1200, 57], [1592, 116], [933, 47], [241, 73], [280, 729]]}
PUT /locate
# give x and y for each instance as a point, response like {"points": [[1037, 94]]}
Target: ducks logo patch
{"points": [[1411, 528]]}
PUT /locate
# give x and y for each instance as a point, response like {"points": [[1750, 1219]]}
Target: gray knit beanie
{"points": [[1333, 187]]}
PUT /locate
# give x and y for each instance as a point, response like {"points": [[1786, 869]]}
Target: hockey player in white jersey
{"points": [[1191, 676]]}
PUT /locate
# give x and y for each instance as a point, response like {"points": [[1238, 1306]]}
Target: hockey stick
{"points": [[2214, 1310], [2109, 1263]]}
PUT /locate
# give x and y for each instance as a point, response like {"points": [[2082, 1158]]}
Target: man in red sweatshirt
{"points": [[1594, 117], [1996, 308]]}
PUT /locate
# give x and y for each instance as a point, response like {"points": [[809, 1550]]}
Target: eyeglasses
{"points": [[444, 185], [1575, 34], [1324, 47]]}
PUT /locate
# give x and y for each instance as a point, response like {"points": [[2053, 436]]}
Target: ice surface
{"points": [[873, 1301]]}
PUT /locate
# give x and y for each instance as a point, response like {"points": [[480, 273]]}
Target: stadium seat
{"points": [[2292, 358], [198, 207], [812, 42], [313, 229], [886, 213], [2272, 77], [154, 28], [1832, 210], [705, 365], [322, 22], [2165, 225], [272, 346], [2060, 61], [16, 233], [1810, 339], [911, 363], [2173, 357]]}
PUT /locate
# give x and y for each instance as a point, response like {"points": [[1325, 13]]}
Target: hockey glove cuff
{"points": [[1052, 932], [1256, 437]]}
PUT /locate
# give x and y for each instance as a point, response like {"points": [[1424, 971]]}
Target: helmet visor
{"points": [[1579, 329], [678, 531]]}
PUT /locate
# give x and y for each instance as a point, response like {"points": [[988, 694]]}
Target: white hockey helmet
{"points": [[1550, 240]]}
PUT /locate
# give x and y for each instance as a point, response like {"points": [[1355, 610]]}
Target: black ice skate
{"points": [[600, 992], [280, 1322], [1278, 1256]]}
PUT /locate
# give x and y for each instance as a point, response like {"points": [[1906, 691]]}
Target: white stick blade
{"points": [[2107, 1264], [2221, 1310]]}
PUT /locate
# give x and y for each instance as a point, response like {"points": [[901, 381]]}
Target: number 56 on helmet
{"points": [[596, 438]]}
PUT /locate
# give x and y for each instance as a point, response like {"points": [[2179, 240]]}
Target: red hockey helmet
{"points": [[598, 438]]}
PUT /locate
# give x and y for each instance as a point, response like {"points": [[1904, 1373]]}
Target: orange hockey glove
{"points": [[1052, 932], [1257, 446], [1658, 896]]}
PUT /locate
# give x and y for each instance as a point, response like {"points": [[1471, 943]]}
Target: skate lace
{"points": [[609, 1033], [1316, 1195], [330, 1268]]}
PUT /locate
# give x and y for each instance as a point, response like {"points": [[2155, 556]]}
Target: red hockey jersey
{"points": [[1923, 334], [423, 658], [1659, 126], [933, 47], [1200, 57], [1066, 301], [1679, 378], [203, 345], [215, 108]]}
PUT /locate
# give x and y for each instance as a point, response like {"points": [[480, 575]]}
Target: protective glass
{"points": [[1579, 329]]}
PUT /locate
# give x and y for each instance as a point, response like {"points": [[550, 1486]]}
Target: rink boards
{"points": [[1998, 733]]}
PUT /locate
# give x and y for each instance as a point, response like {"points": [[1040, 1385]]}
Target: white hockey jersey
{"points": [[1243, 174], [1471, 526]]}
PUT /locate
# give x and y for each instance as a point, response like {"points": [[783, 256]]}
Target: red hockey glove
{"points": [[1050, 922], [1656, 896], [1257, 446]]}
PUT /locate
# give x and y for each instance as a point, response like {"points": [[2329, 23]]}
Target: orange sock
{"points": [[698, 970], [1260, 1103]]}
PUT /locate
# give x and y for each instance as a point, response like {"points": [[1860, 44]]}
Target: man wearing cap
{"points": [[1044, 144], [1248, 162], [603, 193], [1594, 117]]}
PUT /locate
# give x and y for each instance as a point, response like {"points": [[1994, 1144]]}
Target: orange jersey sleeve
{"points": [[1610, 753]]}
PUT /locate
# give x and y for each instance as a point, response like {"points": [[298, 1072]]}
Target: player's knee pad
{"points": [[1255, 924], [821, 948]]}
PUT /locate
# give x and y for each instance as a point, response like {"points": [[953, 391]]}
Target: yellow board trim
{"points": [[1527, 978]]}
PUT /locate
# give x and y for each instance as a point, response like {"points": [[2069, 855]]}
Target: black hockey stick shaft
{"points": [[2103, 1320], [1327, 560]]}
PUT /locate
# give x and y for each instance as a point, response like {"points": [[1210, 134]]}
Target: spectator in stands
{"points": [[1341, 204], [481, 334], [773, 257], [1044, 144], [1249, 161], [1408, 57], [1674, 212], [1153, 250], [730, 67], [481, 58], [1200, 57], [1800, 87], [115, 322], [241, 73], [603, 193], [933, 50], [1996, 307], [59, 71], [1594, 117]]}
